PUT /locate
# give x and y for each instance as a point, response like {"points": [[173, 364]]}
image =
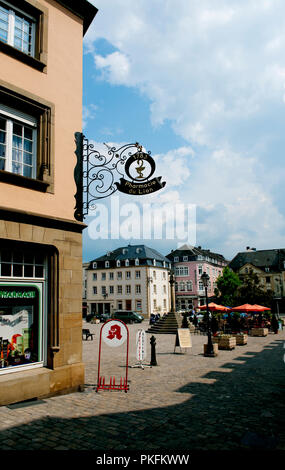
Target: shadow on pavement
{"points": [[241, 409]]}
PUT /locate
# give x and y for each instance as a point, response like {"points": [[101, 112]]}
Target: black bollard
{"points": [[153, 354], [184, 321]]}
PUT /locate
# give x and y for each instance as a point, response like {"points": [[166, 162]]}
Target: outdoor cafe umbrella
{"points": [[246, 308], [261, 308], [214, 307]]}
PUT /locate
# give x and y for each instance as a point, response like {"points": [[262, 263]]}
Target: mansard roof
{"points": [[273, 259]]}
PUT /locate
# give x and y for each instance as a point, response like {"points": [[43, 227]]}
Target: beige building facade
{"points": [[129, 278], [41, 242], [269, 266]]}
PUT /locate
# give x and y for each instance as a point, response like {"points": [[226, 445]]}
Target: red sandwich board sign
{"points": [[114, 333]]}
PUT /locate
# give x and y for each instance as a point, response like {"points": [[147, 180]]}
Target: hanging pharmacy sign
{"points": [[127, 169]]}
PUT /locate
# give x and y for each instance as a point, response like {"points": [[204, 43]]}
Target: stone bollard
{"points": [[153, 354]]}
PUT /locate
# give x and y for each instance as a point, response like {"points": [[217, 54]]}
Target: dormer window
{"points": [[154, 262], [118, 263], [138, 250], [94, 265], [107, 264], [185, 258], [125, 251], [137, 262], [127, 263], [176, 259], [267, 270]]}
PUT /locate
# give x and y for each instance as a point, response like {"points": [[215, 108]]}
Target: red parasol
{"points": [[249, 308], [261, 308], [214, 307]]}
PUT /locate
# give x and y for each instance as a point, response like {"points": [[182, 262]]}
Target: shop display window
{"points": [[22, 312], [21, 315]]}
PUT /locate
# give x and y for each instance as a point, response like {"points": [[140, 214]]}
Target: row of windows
{"points": [[184, 271], [128, 289], [188, 286], [176, 259], [24, 124], [126, 263], [128, 275]]}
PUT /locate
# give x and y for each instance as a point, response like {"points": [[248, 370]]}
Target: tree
{"points": [[227, 286], [252, 292]]}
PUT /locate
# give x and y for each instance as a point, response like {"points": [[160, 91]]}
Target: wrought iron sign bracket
{"points": [[127, 169]]}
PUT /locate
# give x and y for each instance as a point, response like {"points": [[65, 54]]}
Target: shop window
{"points": [[22, 309], [19, 264], [21, 315]]}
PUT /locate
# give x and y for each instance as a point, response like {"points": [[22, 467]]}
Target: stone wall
{"points": [[65, 370]]}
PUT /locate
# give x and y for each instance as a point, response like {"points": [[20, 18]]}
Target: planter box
{"points": [[215, 347], [225, 342], [259, 331], [241, 339]]}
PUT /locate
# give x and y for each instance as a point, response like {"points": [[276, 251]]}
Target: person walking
{"points": [[274, 324]]}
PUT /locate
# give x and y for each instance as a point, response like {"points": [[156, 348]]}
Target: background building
{"points": [[131, 278], [269, 265], [40, 240], [189, 263]]}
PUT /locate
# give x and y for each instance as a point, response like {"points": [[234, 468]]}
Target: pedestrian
{"points": [[274, 324]]}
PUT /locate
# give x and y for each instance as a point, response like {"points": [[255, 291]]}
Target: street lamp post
{"points": [[172, 291], [210, 349]]}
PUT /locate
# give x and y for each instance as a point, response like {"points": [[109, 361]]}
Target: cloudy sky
{"points": [[200, 84]]}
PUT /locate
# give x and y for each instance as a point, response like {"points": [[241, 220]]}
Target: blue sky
{"points": [[202, 86]]}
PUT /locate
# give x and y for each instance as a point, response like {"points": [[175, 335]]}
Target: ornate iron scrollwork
{"points": [[96, 175]]}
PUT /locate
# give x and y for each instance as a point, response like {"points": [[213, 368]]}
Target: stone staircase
{"points": [[167, 325]]}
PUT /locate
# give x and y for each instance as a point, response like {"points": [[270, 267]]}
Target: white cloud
{"points": [[216, 70]]}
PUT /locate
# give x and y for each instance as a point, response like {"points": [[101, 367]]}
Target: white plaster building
{"points": [[134, 277]]}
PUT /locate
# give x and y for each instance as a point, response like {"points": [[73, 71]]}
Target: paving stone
{"points": [[232, 401]]}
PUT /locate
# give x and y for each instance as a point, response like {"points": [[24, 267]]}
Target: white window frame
{"points": [[11, 116], [12, 12]]}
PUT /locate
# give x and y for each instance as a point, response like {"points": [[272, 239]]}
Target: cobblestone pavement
{"points": [[234, 401]]}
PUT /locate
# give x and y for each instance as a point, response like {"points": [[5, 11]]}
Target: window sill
{"points": [[18, 180], [19, 55]]}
